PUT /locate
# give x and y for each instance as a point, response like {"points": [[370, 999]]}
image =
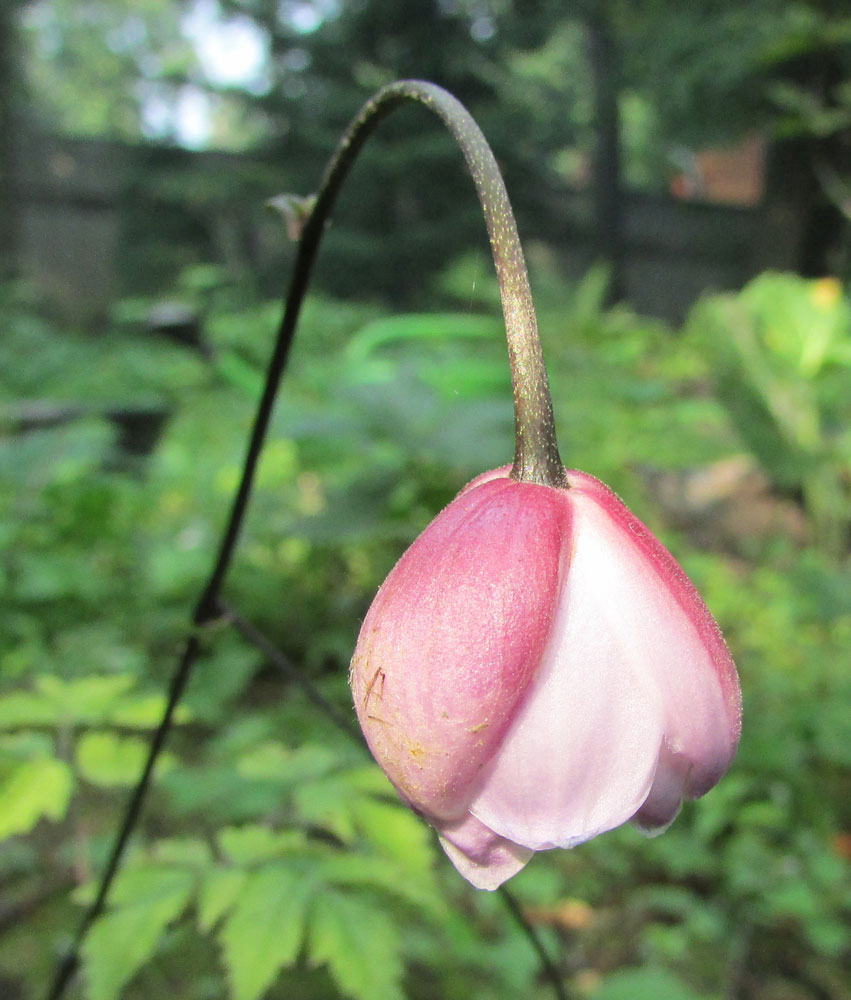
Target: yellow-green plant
{"points": [[781, 353]]}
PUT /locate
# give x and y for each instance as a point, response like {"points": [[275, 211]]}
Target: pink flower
{"points": [[538, 669]]}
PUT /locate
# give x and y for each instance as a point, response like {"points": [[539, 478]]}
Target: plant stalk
{"points": [[536, 456]]}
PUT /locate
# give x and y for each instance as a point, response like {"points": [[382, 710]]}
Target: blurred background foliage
{"points": [[598, 95], [272, 859]]}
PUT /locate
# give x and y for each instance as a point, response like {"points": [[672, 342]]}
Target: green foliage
{"points": [[145, 902], [264, 929], [35, 787], [268, 893], [86, 63], [273, 859], [360, 944], [781, 354], [644, 984]]}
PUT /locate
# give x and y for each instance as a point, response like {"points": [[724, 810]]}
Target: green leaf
{"points": [[425, 326], [143, 883], [360, 943], [395, 831], [125, 938], [265, 929], [343, 868], [219, 890], [239, 373], [645, 984], [89, 700], [328, 803], [85, 699], [273, 761], [22, 708], [829, 937], [245, 845], [31, 790], [144, 711], [186, 852], [110, 761]]}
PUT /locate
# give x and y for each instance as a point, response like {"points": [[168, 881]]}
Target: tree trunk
{"points": [[608, 202]]}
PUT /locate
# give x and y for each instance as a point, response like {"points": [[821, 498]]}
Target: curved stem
{"points": [[536, 456]]}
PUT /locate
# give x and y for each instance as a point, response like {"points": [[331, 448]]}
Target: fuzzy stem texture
{"points": [[536, 456]]}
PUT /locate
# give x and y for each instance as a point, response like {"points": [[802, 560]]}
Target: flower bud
{"points": [[538, 669]]}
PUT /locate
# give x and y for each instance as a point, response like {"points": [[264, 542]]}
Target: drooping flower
{"points": [[538, 669]]}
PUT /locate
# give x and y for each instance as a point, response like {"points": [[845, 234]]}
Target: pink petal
{"points": [[483, 858], [454, 636], [662, 805]]}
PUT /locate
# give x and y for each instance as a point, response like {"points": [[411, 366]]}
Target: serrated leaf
{"points": [[360, 943], [328, 803], [274, 761], [246, 845], [31, 790], [89, 700], [188, 852], [144, 711], [143, 883], [111, 761], [418, 888], [22, 708], [395, 831], [85, 699], [265, 929], [219, 890], [120, 942]]}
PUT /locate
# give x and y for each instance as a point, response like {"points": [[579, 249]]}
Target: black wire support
{"points": [[345, 723], [536, 458], [548, 967]]}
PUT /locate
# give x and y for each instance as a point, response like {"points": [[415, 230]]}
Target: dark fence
{"points": [[674, 250], [93, 220], [65, 226]]}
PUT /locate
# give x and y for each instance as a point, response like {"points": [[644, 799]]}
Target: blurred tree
{"points": [[95, 66], [714, 69], [8, 96], [326, 59], [564, 94]]}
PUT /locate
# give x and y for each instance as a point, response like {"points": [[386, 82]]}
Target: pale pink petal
{"points": [[703, 706], [580, 756], [662, 805], [628, 668], [483, 858]]}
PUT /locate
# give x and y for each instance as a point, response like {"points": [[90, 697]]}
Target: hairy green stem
{"points": [[536, 456]]}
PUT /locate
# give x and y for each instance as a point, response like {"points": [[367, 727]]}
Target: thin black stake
{"points": [[547, 966], [68, 964], [536, 458]]}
